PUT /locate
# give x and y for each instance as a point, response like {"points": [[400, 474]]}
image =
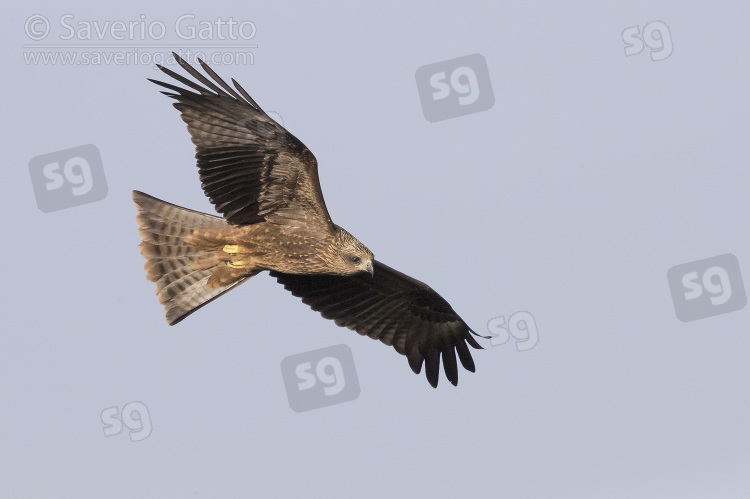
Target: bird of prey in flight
{"points": [[264, 183]]}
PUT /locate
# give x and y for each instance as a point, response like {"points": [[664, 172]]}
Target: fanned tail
{"points": [[179, 269]]}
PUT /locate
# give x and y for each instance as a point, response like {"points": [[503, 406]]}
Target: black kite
{"points": [[264, 182]]}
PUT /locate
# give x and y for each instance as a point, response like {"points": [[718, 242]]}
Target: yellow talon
{"points": [[236, 265], [231, 248]]}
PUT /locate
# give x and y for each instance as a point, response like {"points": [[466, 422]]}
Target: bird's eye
{"points": [[355, 260]]}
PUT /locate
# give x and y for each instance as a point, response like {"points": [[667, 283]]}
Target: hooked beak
{"points": [[370, 268]]}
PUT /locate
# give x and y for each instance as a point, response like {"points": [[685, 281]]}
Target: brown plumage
{"points": [[264, 183]]}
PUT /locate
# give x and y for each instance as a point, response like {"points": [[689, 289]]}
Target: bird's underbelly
{"points": [[265, 246]]}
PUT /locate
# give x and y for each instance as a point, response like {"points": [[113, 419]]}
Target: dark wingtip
{"points": [[470, 339], [449, 365], [415, 362], [464, 355], [432, 367], [477, 334], [433, 377], [179, 59]]}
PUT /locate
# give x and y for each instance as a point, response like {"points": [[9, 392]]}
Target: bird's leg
{"points": [[234, 249], [238, 262]]}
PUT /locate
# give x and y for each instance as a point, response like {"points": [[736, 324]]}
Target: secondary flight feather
{"points": [[264, 182]]}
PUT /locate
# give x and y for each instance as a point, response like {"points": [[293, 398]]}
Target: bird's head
{"points": [[352, 256]]}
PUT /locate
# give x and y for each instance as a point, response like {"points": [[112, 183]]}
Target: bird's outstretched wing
{"points": [[396, 309], [251, 168]]}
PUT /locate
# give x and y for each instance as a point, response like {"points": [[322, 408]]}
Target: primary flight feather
{"points": [[264, 183]]}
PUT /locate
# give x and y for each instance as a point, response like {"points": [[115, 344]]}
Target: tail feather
{"points": [[179, 269], [158, 268]]}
